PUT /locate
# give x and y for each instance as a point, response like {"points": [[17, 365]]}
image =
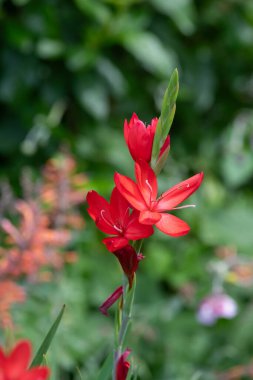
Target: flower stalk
{"points": [[135, 207], [123, 320]]}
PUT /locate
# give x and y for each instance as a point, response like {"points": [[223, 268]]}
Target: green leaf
{"points": [[167, 116], [160, 59], [50, 48], [161, 161], [47, 341], [106, 370], [181, 11]]}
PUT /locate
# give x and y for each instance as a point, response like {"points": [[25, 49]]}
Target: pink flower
{"points": [[142, 196], [123, 366], [14, 366], [114, 218], [216, 306], [110, 300], [129, 261], [139, 138]]}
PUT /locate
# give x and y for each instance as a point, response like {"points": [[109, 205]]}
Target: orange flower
{"points": [[33, 244], [10, 293]]}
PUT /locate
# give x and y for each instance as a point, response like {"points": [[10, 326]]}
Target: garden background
{"points": [[70, 73]]}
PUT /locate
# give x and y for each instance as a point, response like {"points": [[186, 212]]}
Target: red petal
{"points": [[96, 204], [119, 207], [111, 300], [129, 261], [123, 366], [146, 181], [114, 243], [173, 226], [178, 193], [153, 126], [127, 126], [165, 147], [99, 210], [36, 373], [130, 191], [134, 119], [140, 141], [104, 225], [2, 358], [135, 230], [17, 362], [149, 217]]}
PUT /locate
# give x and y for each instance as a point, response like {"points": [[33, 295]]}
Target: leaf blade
{"points": [[106, 370], [38, 358], [167, 115]]}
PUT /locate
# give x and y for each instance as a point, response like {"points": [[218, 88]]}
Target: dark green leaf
{"points": [[47, 341], [106, 371]]}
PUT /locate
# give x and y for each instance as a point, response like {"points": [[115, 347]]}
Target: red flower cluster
{"points": [[14, 366], [134, 206]]}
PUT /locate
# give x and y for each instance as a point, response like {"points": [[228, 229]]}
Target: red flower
{"points": [[129, 261], [110, 300], [15, 365], [123, 366], [114, 218], [139, 138], [143, 197]]}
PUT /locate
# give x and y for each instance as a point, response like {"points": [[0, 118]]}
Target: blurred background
{"points": [[70, 73]]}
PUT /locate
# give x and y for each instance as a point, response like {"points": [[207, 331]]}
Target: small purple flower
{"points": [[216, 306]]}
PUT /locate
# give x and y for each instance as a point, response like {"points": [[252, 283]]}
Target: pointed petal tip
{"points": [[103, 310], [172, 225], [111, 300], [200, 178]]}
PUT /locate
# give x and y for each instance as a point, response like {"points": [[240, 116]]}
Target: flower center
{"points": [[116, 226]]}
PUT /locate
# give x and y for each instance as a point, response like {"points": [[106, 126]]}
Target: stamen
{"points": [[117, 228], [109, 223], [149, 186], [151, 190], [185, 206], [104, 219]]}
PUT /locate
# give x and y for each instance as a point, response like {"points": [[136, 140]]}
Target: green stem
{"points": [[124, 314], [125, 319]]}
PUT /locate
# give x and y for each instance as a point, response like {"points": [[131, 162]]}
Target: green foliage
{"points": [[167, 115], [71, 72], [106, 370], [38, 359]]}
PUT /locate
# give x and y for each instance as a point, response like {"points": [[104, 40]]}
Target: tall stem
{"points": [[124, 320], [124, 314]]}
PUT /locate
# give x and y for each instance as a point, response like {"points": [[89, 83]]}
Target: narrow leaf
{"points": [[47, 341], [167, 116], [161, 161], [106, 370]]}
